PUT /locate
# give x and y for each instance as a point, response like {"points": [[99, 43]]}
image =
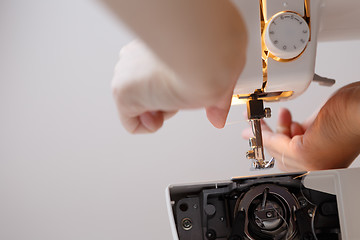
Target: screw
{"points": [[255, 165], [186, 224], [269, 214], [302, 202], [211, 234], [250, 154], [267, 112], [311, 212]]}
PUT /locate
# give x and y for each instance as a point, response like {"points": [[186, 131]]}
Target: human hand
{"points": [[147, 92], [331, 140]]}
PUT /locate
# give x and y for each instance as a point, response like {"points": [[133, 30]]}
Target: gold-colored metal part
{"points": [[266, 96], [307, 15], [264, 50]]}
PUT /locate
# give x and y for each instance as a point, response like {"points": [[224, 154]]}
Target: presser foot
{"points": [[266, 164]]}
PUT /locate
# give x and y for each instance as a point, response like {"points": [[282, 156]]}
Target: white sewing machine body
{"points": [[328, 20], [282, 42], [294, 206]]}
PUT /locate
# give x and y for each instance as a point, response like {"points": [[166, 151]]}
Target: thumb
{"points": [[217, 114]]}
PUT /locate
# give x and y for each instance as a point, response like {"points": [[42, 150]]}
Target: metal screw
{"points": [[186, 224], [269, 214], [311, 212], [250, 154], [195, 206], [255, 165], [302, 202], [211, 234], [267, 112]]}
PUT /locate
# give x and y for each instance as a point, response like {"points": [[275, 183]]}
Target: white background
{"points": [[68, 170]]}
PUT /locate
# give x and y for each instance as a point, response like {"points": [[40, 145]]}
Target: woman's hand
{"points": [[203, 45], [147, 92]]}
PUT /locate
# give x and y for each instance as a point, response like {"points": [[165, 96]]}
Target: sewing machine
{"points": [[282, 41], [309, 205], [283, 36]]}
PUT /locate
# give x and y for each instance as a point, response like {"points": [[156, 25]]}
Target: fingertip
{"points": [[152, 121], [284, 110], [218, 124], [284, 117], [296, 129], [217, 116]]}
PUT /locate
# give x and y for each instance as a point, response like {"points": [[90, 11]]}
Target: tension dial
{"points": [[286, 35]]}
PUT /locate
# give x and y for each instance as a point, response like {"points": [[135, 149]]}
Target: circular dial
{"points": [[286, 35]]}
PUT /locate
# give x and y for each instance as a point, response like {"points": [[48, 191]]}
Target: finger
{"points": [[275, 142], [247, 133], [284, 150], [217, 114], [147, 122], [152, 121], [265, 126], [284, 122], [168, 115], [278, 146], [276, 153], [296, 129]]}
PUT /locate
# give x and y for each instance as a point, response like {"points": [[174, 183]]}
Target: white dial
{"points": [[286, 35]]}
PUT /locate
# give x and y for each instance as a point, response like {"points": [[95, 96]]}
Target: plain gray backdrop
{"points": [[68, 170]]}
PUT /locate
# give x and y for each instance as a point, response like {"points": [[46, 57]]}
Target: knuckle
{"points": [[117, 90]]}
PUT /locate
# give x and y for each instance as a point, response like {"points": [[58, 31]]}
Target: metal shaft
{"points": [[256, 112]]}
